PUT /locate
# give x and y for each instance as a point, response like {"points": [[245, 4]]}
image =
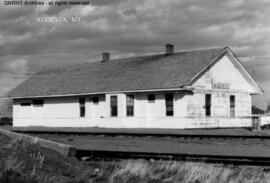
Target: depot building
{"points": [[206, 88]]}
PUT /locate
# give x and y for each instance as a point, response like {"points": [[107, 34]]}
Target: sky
{"points": [[130, 28]]}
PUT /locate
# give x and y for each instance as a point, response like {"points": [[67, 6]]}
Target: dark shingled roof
{"points": [[138, 73]]}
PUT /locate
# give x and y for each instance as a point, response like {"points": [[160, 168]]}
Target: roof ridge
{"points": [[59, 67], [161, 54], [203, 49]]}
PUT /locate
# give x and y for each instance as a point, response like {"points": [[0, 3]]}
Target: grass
{"points": [[22, 162], [133, 171]]}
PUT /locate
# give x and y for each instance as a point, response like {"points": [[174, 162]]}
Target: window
{"points": [[130, 105], [95, 100], [114, 110], [232, 105], [208, 105], [38, 103], [169, 104], [82, 107], [25, 103], [151, 98]]}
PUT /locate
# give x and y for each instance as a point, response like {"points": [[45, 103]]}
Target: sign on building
{"points": [[218, 85]]}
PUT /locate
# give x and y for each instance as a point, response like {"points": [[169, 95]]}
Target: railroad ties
{"points": [[212, 148]]}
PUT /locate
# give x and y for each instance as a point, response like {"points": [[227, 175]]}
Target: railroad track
{"points": [[145, 134], [97, 155], [97, 145]]}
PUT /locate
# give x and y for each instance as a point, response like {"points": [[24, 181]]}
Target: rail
{"points": [[94, 155], [144, 134]]}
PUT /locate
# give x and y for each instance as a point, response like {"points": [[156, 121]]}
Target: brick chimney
{"points": [[169, 49], [105, 56]]}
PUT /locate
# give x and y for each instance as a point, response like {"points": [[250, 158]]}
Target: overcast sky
{"points": [[132, 27]]}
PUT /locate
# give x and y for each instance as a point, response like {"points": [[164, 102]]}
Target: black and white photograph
{"points": [[145, 91]]}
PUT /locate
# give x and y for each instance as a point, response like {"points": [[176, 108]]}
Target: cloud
{"points": [[259, 67], [13, 12], [188, 24], [16, 66], [130, 11], [135, 28], [105, 2]]}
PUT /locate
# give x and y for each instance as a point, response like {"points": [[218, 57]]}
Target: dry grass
{"points": [[187, 172], [25, 162]]}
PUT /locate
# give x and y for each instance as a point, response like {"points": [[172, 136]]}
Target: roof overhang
{"points": [[100, 93]]}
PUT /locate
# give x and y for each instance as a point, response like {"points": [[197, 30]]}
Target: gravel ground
{"points": [[206, 146], [220, 131]]}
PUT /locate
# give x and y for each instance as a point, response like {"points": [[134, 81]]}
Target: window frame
{"points": [[151, 98], [113, 106], [208, 105], [38, 103], [25, 104], [232, 105], [169, 104], [95, 100], [82, 107], [130, 99]]}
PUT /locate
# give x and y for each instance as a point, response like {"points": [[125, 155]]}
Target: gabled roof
{"points": [[129, 74]]}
